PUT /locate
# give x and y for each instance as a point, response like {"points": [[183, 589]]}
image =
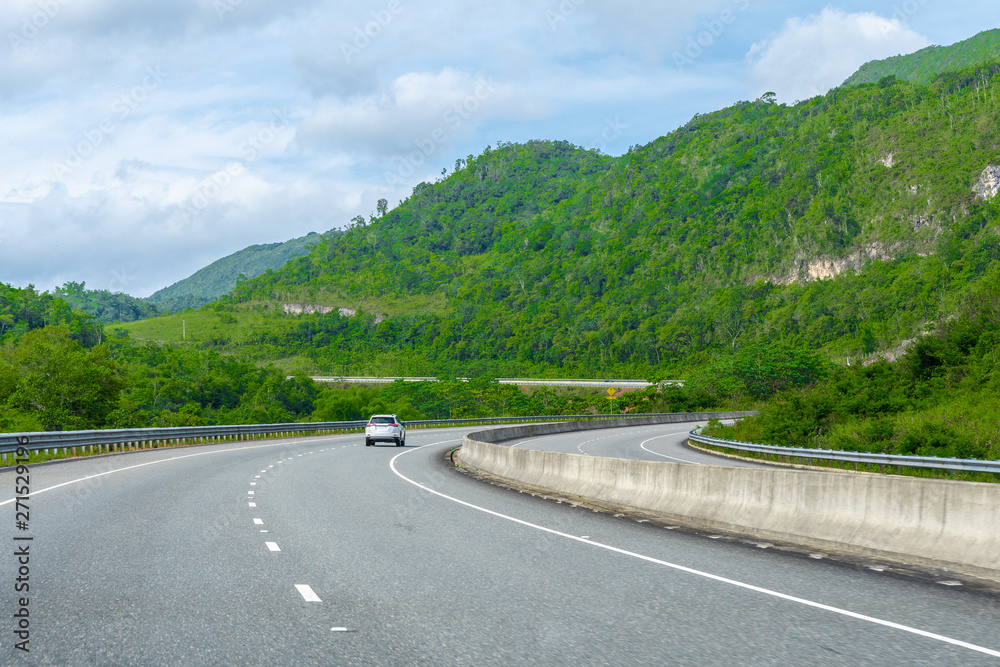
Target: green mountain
{"points": [[847, 224], [221, 276], [924, 65]]}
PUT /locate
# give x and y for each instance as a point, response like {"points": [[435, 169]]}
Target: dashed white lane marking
{"points": [[306, 591], [258, 522], [250, 492], [263, 531], [257, 476], [272, 546], [690, 570], [642, 445], [339, 630], [252, 504], [253, 483]]}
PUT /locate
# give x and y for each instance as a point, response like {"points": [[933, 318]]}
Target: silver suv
{"points": [[385, 428]]}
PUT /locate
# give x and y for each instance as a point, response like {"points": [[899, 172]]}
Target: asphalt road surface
{"points": [[664, 442], [321, 551]]}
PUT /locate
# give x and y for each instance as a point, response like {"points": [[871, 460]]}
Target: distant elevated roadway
{"points": [[529, 382]]}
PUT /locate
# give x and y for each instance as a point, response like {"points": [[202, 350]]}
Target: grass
{"points": [[205, 324], [196, 326]]}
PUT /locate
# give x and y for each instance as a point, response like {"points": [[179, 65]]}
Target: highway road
{"points": [[664, 442], [524, 382], [321, 551]]}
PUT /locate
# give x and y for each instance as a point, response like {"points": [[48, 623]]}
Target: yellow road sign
{"points": [[611, 391]]}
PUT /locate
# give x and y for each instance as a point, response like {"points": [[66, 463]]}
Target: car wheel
{"points": [[399, 443], [368, 442]]}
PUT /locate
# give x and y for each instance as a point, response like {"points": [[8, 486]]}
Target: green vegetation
{"points": [[49, 382], [768, 254], [58, 372], [938, 399], [22, 310], [926, 64], [221, 276], [105, 306], [844, 225], [451, 399]]}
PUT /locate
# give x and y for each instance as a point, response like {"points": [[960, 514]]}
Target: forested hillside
{"points": [[847, 223], [926, 64], [938, 399], [58, 371], [105, 306], [221, 276], [24, 309]]}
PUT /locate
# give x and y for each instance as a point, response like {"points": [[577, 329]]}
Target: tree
{"points": [[383, 207], [63, 385]]}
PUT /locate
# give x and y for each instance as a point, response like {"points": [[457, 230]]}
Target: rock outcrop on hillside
{"points": [[989, 182]]}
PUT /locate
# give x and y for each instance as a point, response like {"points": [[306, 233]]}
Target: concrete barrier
{"points": [[928, 522]]}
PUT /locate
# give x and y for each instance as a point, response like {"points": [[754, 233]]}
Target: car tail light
{"points": [[394, 425]]}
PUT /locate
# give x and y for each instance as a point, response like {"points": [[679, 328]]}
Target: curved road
{"points": [[663, 442], [323, 551]]}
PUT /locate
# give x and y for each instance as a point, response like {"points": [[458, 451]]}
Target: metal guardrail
{"points": [[141, 438], [931, 462]]}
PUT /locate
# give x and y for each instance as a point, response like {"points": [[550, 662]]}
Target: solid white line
{"points": [[642, 445], [272, 546], [307, 592], [689, 570], [529, 440]]}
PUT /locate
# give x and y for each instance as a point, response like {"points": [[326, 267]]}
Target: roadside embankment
{"points": [[926, 522]]}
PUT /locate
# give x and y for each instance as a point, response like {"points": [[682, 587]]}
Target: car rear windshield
{"points": [[382, 420]]}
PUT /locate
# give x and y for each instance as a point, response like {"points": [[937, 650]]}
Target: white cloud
{"points": [[811, 55], [433, 80], [414, 108]]}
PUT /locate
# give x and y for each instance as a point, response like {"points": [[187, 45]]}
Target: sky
{"points": [[144, 140]]}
